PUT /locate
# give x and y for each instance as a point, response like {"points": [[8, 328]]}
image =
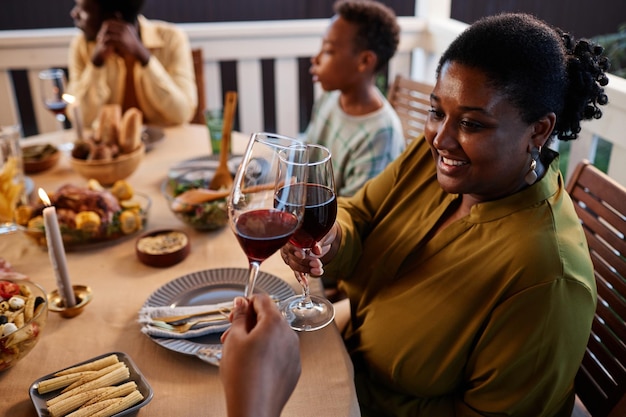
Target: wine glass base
{"points": [[308, 317]]}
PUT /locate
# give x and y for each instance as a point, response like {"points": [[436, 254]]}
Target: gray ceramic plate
{"points": [[210, 286]]}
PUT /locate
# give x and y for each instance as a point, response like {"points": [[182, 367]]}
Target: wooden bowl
{"points": [[107, 172], [163, 248], [39, 158]]}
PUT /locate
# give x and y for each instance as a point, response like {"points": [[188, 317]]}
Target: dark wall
{"points": [[582, 18], [33, 14]]}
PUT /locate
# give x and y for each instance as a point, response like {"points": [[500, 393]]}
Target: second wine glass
{"points": [[308, 312], [264, 208], [53, 84]]}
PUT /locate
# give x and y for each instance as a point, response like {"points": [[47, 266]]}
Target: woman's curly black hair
{"points": [[540, 68], [378, 29]]}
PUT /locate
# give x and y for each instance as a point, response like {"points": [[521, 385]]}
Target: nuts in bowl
{"points": [[193, 203], [23, 315]]}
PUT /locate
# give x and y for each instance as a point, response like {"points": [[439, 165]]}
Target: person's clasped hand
{"points": [[121, 38], [260, 363]]}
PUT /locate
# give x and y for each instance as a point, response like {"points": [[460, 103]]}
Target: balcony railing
{"points": [[284, 44]]}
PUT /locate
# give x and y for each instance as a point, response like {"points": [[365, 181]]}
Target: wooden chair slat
{"points": [[600, 204]]}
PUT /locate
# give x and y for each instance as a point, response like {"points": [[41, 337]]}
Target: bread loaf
{"points": [[108, 129], [130, 130]]}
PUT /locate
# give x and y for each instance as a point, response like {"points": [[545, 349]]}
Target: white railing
{"points": [[285, 41]]}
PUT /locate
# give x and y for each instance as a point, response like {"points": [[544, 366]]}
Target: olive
{"points": [[38, 301]]}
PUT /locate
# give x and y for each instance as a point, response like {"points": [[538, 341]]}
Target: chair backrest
{"points": [[198, 68], [601, 206], [411, 100]]}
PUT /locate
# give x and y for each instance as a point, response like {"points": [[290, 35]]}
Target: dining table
{"points": [[183, 385]]}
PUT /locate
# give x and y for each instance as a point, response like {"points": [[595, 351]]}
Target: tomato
{"points": [[8, 289]]}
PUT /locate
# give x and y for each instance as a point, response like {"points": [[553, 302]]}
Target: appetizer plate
{"points": [[39, 400], [210, 286]]}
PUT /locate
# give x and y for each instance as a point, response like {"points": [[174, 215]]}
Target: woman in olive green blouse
{"points": [[471, 287]]}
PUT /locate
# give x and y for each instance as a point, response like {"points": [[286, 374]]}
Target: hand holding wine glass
{"points": [[265, 208], [308, 312]]}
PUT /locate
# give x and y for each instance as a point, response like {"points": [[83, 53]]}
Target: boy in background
{"points": [[352, 117]]}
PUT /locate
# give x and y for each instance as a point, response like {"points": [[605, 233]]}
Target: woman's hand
{"points": [[323, 252], [260, 363]]}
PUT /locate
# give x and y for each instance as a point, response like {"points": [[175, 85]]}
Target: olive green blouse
{"points": [[489, 317]]}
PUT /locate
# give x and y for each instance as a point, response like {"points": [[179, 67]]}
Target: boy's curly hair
{"points": [[378, 29]]}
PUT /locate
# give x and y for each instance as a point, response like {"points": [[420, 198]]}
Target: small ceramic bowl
{"points": [[163, 248], [39, 158]]}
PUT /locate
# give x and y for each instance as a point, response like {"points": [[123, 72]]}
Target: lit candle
{"points": [[56, 251]]}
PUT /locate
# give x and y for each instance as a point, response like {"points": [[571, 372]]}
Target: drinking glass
{"points": [[308, 312], [12, 186], [266, 206], [53, 85]]}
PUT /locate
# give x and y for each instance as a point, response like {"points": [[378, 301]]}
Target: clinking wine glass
{"points": [[308, 312], [265, 208]]}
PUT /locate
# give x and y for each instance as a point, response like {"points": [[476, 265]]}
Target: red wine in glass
{"points": [[307, 312], [319, 214], [56, 106], [263, 232], [53, 83], [261, 228]]}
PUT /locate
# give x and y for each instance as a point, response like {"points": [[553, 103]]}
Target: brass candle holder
{"points": [[83, 296]]}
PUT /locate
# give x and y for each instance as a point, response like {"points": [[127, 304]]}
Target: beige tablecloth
{"points": [[183, 385]]}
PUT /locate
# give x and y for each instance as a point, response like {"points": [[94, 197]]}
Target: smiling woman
{"points": [[472, 224]]}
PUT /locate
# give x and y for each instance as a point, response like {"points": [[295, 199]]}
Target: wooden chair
{"points": [[198, 68], [411, 100], [601, 206]]}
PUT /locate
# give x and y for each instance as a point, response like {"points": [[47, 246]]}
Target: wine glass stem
{"points": [[252, 274], [303, 279]]}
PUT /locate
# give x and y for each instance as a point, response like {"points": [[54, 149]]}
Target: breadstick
{"points": [[122, 404], [91, 366], [116, 376], [93, 375], [62, 381]]}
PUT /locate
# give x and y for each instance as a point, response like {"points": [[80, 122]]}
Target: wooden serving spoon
{"points": [[187, 200], [222, 177]]}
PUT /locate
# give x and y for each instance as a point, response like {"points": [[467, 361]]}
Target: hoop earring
{"points": [[531, 176]]}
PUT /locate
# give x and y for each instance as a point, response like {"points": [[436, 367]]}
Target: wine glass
{"points": [[266, 206], [308, 312], [53, 85]]}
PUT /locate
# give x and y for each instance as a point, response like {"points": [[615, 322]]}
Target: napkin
{"points": [[148, 314]]}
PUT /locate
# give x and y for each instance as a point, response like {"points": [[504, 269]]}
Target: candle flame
{"points": [[69, 98], [44, 197]]}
